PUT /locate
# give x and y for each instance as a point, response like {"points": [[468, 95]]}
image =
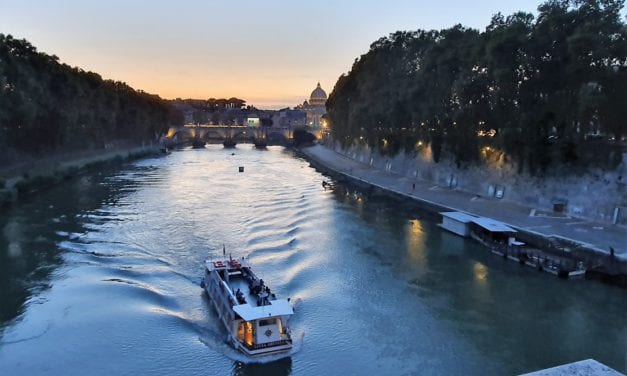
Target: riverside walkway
{"points": [[596, 236]]}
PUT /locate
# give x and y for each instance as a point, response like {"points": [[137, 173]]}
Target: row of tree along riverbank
{"points": [[57, 121], [543, 91], [47, 106]]}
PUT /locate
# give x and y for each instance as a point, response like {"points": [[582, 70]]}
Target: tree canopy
{"points": [[537, 88], [46, 105]]}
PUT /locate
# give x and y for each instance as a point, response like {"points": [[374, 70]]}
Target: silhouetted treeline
{"points": [[543, 89], [46, 105]]}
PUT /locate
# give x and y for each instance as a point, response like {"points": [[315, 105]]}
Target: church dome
{"points": [[318, 96]]}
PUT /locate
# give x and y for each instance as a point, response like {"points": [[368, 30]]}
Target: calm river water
{"points": [[101, 275]]}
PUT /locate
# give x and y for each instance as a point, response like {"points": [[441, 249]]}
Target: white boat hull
{"points": [[256, 322]]}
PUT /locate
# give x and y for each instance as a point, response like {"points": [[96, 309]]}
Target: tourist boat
{"points": [[255, 319]]}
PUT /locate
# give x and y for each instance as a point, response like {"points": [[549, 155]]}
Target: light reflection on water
{"points": [[480, 272], [101, 275], [416, 243]]}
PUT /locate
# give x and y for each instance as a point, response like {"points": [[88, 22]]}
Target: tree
{"points": [[539, 85], [46, 105]]}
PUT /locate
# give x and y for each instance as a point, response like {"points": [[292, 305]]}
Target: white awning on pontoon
{"points": [[492, 225], [459, 216]]}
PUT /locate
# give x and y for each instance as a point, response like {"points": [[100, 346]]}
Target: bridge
{"points": [[236, 133]]}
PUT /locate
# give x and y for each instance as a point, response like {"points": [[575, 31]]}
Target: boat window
{"points": [[267, 322]]}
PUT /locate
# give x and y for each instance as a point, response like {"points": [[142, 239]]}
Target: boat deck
{"points": [[237, 281]]}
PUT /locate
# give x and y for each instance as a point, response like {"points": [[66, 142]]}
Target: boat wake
{"points": [[297, 302]]}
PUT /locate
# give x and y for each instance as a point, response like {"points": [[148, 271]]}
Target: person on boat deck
{"points": [[240, 296], [255, 284]]}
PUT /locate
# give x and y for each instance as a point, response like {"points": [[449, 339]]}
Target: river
{"points": [[100, 275]]}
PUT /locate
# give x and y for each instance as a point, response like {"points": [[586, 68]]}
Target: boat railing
{"points": [[231, 297]]}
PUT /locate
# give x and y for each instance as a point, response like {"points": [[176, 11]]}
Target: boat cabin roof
{"points": [[279, 307], [492, 225]]}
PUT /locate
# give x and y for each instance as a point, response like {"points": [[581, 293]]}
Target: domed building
{"points": [[318, 97], [315, 108]]}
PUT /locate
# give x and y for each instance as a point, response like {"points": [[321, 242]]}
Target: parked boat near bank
{"points": [[255, 319], [501, 240]]}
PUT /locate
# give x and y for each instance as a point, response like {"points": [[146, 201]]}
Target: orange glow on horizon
{"points": [[251, 84], [258, 94]]}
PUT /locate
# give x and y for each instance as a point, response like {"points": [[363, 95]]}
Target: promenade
{"points": [[595, 236]]}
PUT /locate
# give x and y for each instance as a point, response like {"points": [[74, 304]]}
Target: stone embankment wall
{"points": [[49, 173], [595, 195]]}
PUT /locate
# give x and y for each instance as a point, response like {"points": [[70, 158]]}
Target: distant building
{"points": [[315, 108], [289, 118]]}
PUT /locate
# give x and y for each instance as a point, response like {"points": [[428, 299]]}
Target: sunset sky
{"points": [[270, 53]]}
